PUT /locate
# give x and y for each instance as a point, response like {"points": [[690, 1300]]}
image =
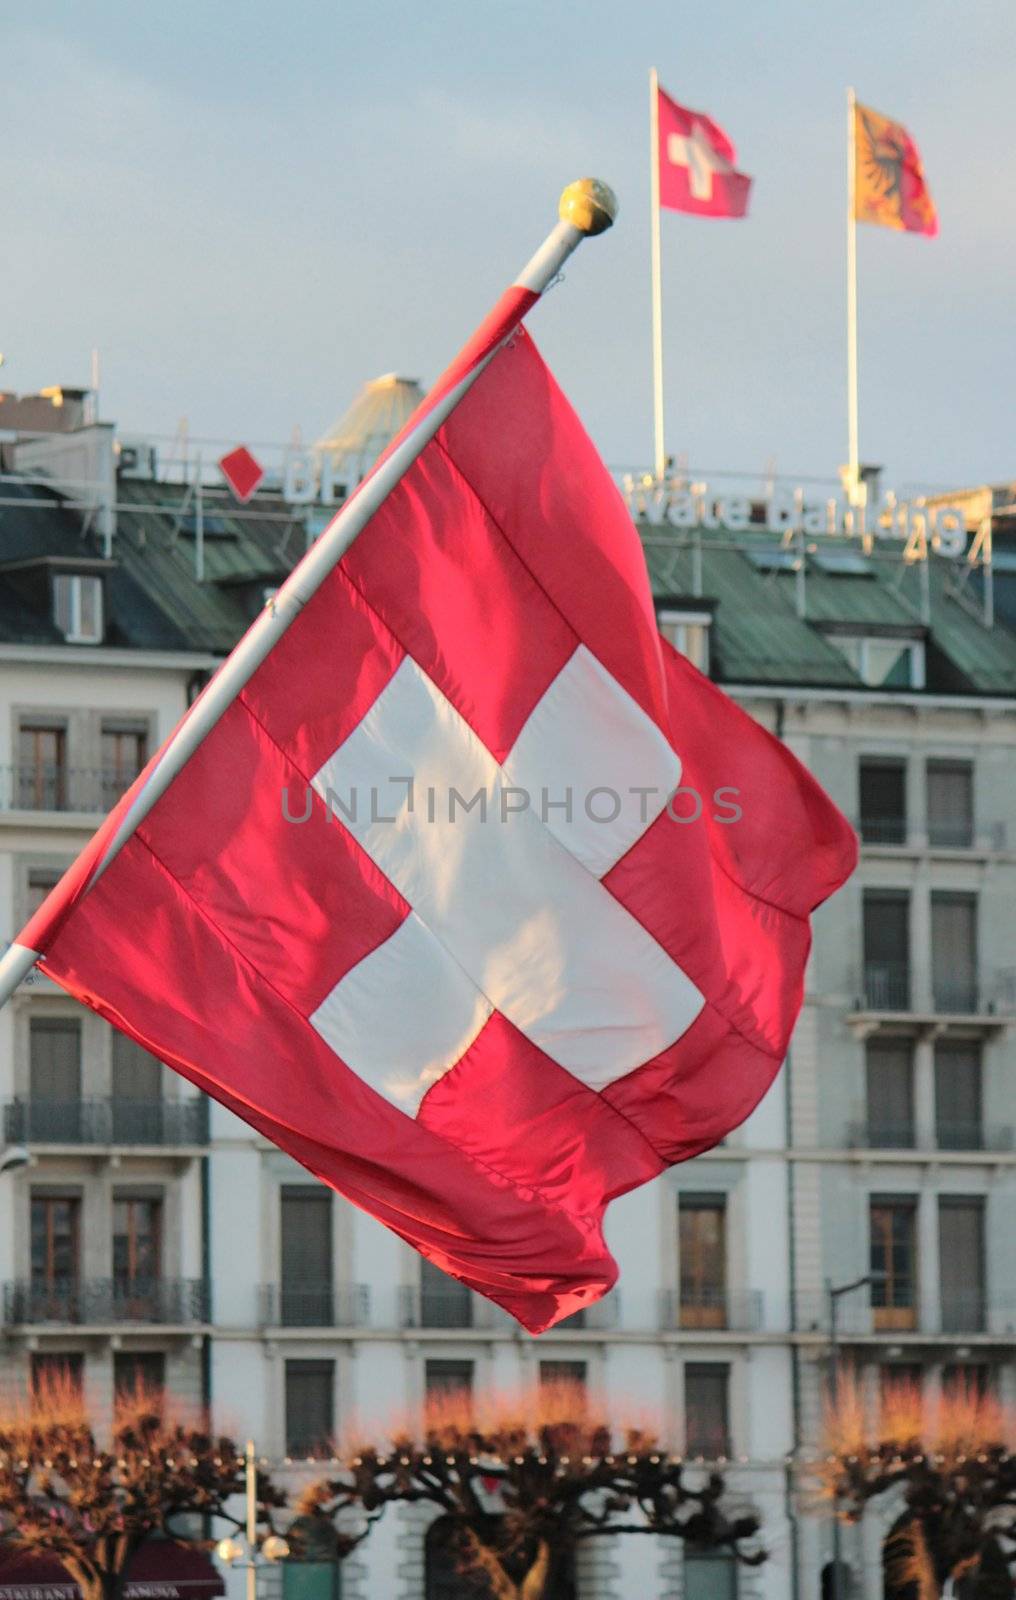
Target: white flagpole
{"points": [[659, 452], [587, 207], [853, 458]]}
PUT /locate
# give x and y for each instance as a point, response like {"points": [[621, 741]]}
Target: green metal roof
{"points": [[759, 635]]}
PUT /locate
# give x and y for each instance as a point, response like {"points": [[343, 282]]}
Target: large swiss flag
{"points": [[420, 908], [698, 164]]}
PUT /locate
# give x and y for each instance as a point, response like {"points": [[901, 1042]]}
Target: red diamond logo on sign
{"points": [[241, 472]]}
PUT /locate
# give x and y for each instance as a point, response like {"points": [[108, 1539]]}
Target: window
{"points": [[124, 753], [55, 1236], [900, 1382], [40, 881], [961, 1263], [444, 1379], [444, 1301], [311, 1580], [77, 607], [706, 1410], [883, 796], [709, 1575], [137, 1093], [951, 804], [137, 1253], [54, 1081], [688, 632], [42, 766], [702, 1229], [883, 662], [889, 1073], [894, 1263], [958, 1124], [887, 949], [566, 1379], [954, 951], [966, 1380], [138, 1374], [307, 1300], [53, 1375], [310, 1407]]}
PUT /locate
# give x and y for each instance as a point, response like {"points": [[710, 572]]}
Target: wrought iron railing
{"points": [[162, 1301], [735, 1310], [111, 1121], [437, 1306], [52, 786], [315, 1304], [887, 985]]}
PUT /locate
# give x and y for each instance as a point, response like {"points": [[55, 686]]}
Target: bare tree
{"points": [[522, 1487], [92, 1505], [950, 1464]]}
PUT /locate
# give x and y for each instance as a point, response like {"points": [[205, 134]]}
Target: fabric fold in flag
{"points": [[419, 909]]}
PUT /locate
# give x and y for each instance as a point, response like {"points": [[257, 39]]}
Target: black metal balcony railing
{"points": [[736, 1311], [963, 1311], [52, 786], [436, 1307], [107, 1121], [162, 1301], [956, 997], [972, 1136], [876, 1133], [315, 1305], [883, 830], [887, 985]]}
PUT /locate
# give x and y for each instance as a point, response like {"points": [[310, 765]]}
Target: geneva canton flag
{"points": [[424, 907]]}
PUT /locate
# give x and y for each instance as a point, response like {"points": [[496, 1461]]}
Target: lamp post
{"points": [[245, 1552], [834, 1293]]}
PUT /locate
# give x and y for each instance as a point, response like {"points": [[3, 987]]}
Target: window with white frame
{"points": [[77, 607], [688, 632]]}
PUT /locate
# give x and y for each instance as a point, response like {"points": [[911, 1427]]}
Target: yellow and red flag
{"points": [[890, 187]]}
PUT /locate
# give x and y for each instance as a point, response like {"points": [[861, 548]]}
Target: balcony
{"points": [[731, 1311], [175, 1302], [107, 1122], [883, 830], [315, 1305], [952, 1136], [437, 1306], [887, 985], [51, 786]]}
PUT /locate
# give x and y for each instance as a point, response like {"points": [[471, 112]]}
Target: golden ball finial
{"points": [[588, 205]]}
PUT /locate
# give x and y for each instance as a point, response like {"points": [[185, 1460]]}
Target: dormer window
{"points": [[883, 661], [688, 632], [77, 607]]}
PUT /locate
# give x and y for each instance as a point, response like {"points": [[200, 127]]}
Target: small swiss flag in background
{"points": [[697, 164]]}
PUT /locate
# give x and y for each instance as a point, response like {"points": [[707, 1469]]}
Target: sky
{"points": [[249, 209]]}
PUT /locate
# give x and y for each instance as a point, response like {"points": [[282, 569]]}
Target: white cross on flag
{"points": [[478, 900], [697, 164]]}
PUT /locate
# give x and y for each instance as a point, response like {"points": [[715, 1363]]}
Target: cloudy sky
{"points": [[250, 208]]}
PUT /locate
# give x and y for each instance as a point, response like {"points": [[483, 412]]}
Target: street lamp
{"points": [[834, 1294], [245, 1553], [15, 1158]]}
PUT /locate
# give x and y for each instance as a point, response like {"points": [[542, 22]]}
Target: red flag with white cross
{"points": [[475, 897], [698, 164]]}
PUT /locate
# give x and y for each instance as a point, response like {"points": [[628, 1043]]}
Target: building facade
{"points": [[156, 1237]]}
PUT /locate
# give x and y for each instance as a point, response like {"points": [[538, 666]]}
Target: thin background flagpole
{"points": [[660, 452], [853, 460]]}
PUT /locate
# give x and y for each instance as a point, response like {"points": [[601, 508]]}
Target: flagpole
{"points": [[660, 452], [853, 458], [587, 207]]}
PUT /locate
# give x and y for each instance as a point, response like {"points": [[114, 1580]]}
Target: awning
{"points": [[161, 1570]]}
